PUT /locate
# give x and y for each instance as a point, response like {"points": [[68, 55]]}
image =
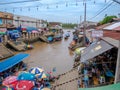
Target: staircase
{"points": [[67, 81], [18, 45]]}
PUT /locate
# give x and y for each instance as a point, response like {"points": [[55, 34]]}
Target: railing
{"points": [[53, 87], [68, 72], [27, 36]]}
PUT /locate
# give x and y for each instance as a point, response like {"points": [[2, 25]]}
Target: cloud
{"points": [[63, 13]]}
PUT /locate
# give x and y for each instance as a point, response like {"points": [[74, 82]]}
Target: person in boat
{"points": [[23, 66]]}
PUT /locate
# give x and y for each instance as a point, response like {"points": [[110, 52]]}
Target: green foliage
{"points": [[68, 25], [107, 19]]}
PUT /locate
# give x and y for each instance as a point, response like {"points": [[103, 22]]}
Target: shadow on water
{"points": [[52, 55]]}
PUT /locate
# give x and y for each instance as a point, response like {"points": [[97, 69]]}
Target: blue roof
{"points": [[8, 63]]}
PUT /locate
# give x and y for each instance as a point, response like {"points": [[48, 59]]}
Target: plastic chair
{"points": [[102, 79]]}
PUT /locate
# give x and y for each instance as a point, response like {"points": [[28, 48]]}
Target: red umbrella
{"points": [[9, 80], [24, 85]]}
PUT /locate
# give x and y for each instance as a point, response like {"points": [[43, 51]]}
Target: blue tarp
{"points": [[8, 63], [50, 39], [30, 29], [109, 73], [14, 34]]}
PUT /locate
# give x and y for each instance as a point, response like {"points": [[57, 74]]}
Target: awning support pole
{"points": [[117, 73]]}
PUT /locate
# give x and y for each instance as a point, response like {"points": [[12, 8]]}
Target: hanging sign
{"points": [[98, 33], [3, 31]]}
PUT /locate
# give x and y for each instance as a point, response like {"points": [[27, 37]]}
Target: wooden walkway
{"points": [[43, 38], [67, 81], [4, 52]]}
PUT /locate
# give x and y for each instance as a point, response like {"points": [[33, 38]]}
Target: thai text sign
{"points": [[97, 33], [3, 30]]}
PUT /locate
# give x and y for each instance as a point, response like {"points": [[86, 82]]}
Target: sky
{"points": [[66, 11]]}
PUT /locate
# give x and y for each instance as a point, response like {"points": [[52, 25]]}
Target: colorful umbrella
{"points": [[37, 88], [29, 46], [36, 70], [9, 80], [45, 89], [26, 76], [34, 31], [24, 85], [42, 76]]}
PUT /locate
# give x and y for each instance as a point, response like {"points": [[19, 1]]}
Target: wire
{"points": [[116, 1], [101, 11], [40, 5], [4, 3]]}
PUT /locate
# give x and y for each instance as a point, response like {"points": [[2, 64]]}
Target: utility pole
{"points": [[6, 17], [80, 19], [84, 30], [117, 73], [18, 18]]}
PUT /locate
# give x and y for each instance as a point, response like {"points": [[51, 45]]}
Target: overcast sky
{"points": [[67, 11]]}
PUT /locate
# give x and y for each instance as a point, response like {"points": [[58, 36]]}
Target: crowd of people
{"points": [[99, 70]]}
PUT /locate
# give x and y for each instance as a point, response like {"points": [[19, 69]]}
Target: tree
{"points": [[68, 25], [107, 19]]}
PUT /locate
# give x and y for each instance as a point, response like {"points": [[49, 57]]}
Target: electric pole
{"points": [[80, 19], [117, 73], [84, 30]]}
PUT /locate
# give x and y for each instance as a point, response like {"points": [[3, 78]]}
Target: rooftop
{"points": [[112, 34]]}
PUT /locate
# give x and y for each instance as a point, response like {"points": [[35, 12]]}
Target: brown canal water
{"points": [[53, 55]]}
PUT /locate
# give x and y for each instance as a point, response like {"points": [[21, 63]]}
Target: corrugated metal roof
{"points": [[111, 41], [113, 26], [94, 50]]}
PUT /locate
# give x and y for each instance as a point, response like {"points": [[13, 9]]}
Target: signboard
{"points": [[1, 21], [3, 31], [98, 33]]}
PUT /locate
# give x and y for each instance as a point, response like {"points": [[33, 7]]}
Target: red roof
{"points": [[102, 26], [112, 34]]}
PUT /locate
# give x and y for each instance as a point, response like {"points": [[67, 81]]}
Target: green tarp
{"points": [[2, 33], [108, 87]]}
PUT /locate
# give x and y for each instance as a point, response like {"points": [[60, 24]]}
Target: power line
{"points": [[103, 6], [41, 4], [116, 1], [102, 10], [4, 3]]}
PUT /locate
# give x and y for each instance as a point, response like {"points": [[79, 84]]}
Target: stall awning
{"points": [[8, 63], [108, 87], [94, 50], [112, 41]]}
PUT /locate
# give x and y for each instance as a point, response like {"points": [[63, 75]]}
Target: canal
{"points": [[53, 55]]}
